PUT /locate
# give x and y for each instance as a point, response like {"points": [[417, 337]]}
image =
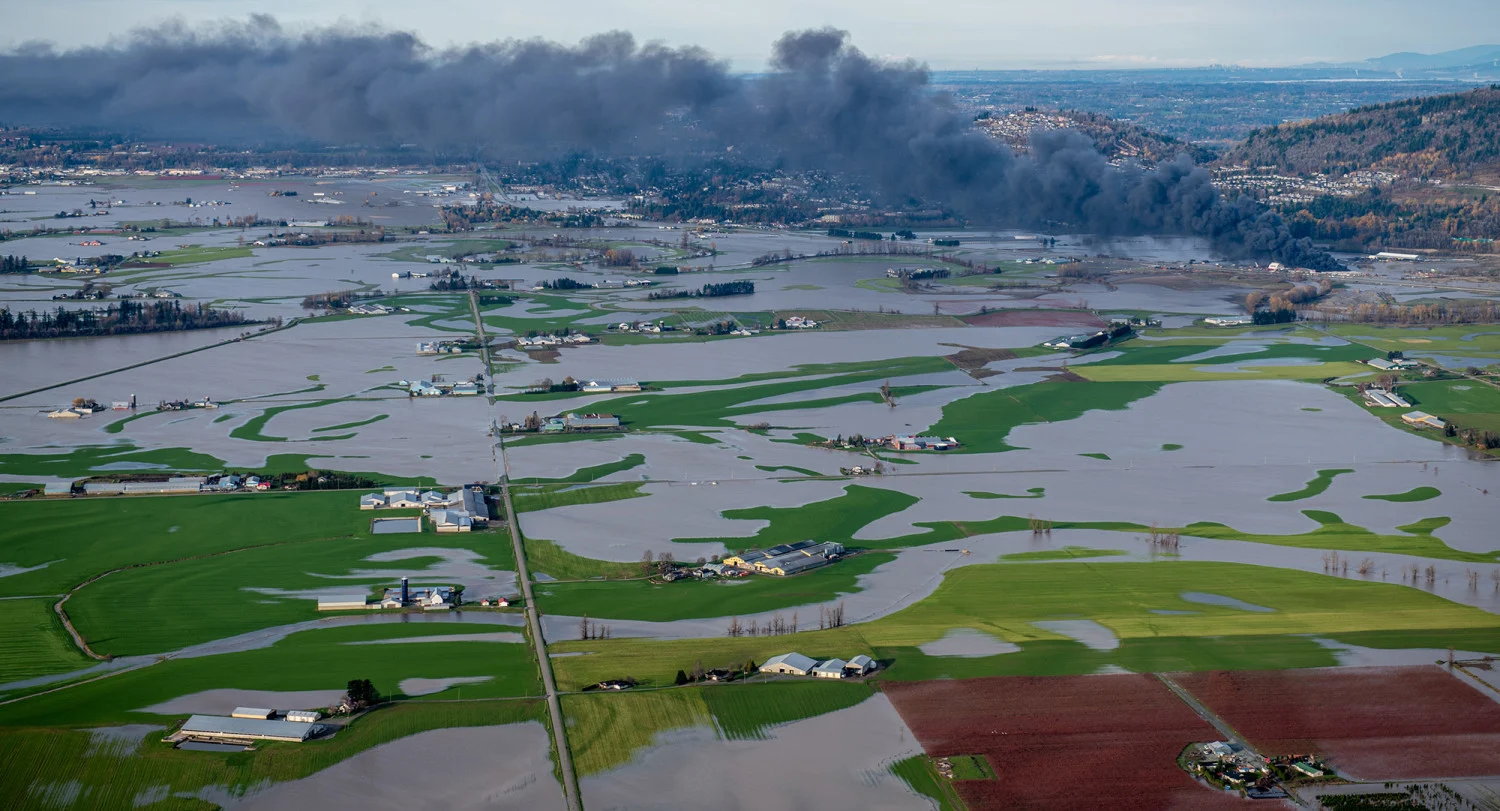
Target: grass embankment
{"points": [[919, 775], [1065, 553], [36, 759], [546, 557], [691, 599], [606, 729], [1314, 487], [1006, 599]]}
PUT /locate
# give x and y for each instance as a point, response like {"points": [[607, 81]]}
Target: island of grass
{"points": [[1314, 487], [1423, 493]]}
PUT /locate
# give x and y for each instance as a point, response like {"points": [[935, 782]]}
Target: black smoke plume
{"points": [[824, 105]]}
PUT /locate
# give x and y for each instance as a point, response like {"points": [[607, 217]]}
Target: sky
{"points": [[945, 34]]}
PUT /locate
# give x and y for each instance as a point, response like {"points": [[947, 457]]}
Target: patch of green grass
{"points": [[1103, 456], [1065, 553], [38, 757], [1467, 403], [589, 474], [1314, 487], [981, 422], [197, 254], [605, 730], [549, 496], [1415, 494], [691, 599], [800, 471], [33, 641], [1183, 372], [1171, 446], [971, 767], [252, 429], [919, 775], [321, 659], [745, 712], [1032, 492], [546, 557], [836, 519], [83, 460], [347, 425]]}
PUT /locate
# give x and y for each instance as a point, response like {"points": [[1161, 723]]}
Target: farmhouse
{"points": [[1421, 419], [789, 664], [219, 728], [1227, 321], [922, 443], [428, 598]]}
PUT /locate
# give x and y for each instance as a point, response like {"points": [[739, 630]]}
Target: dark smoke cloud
{"points": [[823, 105]]}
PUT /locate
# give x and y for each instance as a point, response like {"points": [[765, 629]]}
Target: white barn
{"points": [[790, 664]]}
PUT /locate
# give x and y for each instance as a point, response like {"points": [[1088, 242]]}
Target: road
{"points": [[523, 575]]}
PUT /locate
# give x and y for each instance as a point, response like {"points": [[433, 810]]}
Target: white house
{"points": [[790, 664]]}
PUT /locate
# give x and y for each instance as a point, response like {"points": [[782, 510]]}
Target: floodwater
{"points": [[1093, 635], [223, 701], [464, 769], [426, 687], [1227, 602], [840, 759], [394, 526], [968, 643]]}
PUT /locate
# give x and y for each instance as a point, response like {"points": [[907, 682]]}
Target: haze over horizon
{"points": [[949, 34]]}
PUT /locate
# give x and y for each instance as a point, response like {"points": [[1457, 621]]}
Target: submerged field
{"points": [[1186, 500]]}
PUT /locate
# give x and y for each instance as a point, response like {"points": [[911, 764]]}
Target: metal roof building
{"points": [[253, 712], [219, 727], [343, 602], [794, 664], [831, 669]]}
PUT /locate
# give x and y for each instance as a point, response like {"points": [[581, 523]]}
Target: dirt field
{"points": [[1372, 723], [1063, 742], [1034, 318]]}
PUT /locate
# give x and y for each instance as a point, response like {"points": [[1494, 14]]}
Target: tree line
{"points": [[14, 264], [711, 290], [125, 318]]}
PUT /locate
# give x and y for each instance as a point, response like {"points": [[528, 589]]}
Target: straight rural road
{"points": [[523, 575]]}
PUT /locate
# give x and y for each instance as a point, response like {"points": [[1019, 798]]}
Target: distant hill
{"points": [[1118, 140], [1461, 58], [1455, 135]]}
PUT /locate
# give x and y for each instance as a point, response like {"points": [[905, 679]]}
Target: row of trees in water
{"points": [[123, 318]]}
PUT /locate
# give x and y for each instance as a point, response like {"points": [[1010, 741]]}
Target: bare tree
{"points": [[646, 558], [794, 622], [735, 628], [1366, 566]]}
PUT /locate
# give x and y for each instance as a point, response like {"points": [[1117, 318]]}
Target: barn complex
{"points": [[795, 664], [787, 559], [243, 730], [459, 511]]}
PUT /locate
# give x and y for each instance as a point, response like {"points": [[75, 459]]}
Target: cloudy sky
{"points": [[947, 34]]}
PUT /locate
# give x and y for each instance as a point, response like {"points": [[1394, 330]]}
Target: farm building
{"points": [[57, 489], [252, 712], [787, 559], [428, 598], [1422, 419], [459, 511], [860, 665], [789, 664], [608, 386], [1227, 321], [922, 443], [219, 728], [353, 601], [303, 716], [831, 669], [185, 484], [373, 501], [403, 499], [590, 422], [1399, 364]]}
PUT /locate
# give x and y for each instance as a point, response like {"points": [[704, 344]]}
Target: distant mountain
{"points": [[1454, 135], [1478, 55]]}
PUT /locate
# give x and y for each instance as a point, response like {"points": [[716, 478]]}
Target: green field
{"points": [[918, 773], [1467, 403], [1314, 487], [322, 659], [606, 729], [106, 778], [1184, 372], [689, 599], [33, 641], [981, 422], [552, 496], [1005, 599]]}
